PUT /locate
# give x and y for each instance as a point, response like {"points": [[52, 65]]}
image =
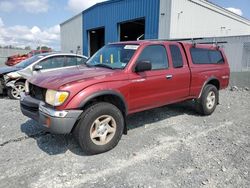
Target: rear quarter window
{"points": [[206, 56]]}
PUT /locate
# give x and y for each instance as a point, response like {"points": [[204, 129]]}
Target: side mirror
{"points": [[38, 67], [143, 66]]}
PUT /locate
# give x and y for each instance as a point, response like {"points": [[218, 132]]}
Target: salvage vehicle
{"points": [[15, 59], [12, 79], [93, 101]]}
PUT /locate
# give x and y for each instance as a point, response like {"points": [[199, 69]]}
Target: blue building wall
{"points": [[110, 13]]}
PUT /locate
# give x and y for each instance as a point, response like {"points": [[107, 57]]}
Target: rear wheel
{"points": [[100, 128], [14, 93], [208, 101]]}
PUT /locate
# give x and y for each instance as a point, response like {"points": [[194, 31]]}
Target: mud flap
{"points": [[125, 130]]}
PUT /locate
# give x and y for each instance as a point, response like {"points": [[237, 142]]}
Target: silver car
{"points": [[14, 82]]}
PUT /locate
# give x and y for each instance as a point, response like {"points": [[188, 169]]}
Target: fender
{"points": [[105, 92], [109, 92], [205, 83], [11, 84]]}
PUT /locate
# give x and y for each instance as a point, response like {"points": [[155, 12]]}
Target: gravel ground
{"points": [[166, 147]]}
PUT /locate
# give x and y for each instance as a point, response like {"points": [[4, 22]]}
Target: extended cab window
{"points": [[156, 55], [176, 56], [205, 56]]}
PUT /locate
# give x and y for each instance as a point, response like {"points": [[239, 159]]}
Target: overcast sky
{"points": [[33, 22]]}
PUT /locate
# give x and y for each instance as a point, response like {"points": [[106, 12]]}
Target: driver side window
{"points": [[156, 55]]}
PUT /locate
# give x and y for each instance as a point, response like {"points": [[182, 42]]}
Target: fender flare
{"points": [[109, 92], [205, 83], [104, 92]]}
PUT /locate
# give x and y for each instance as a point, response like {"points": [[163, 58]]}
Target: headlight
{"points": [[13, 75], [56, 98]]}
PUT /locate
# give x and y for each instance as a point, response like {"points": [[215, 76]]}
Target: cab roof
{"points": [[184, 43]]}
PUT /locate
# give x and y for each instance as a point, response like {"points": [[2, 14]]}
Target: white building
{"points": [[199, 18], [71, 34]]}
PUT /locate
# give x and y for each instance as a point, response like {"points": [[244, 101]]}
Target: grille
{"points": [[37, 92]]}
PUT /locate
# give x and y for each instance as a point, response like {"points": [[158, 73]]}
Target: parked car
{"points": [[93, 101], [12, 79], [15, 59]]}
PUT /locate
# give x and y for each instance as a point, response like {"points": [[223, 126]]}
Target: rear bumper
{"points": [[58, 122]]}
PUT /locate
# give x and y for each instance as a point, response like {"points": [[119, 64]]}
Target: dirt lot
{"points": [[165, 147]]}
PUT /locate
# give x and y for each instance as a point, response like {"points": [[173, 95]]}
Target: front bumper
{"points": [[59, 122]]}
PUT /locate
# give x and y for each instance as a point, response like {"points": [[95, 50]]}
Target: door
{"points": [[181, 72], [151, 88], [132, 30], [96, 40]]}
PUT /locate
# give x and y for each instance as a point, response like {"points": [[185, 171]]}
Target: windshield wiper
{"points": [[104, 65]]}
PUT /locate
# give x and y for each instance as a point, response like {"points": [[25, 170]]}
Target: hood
{"points": [[5, 70], [56, 79]]}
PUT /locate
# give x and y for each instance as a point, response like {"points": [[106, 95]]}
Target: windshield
{"points": [[29, 61], [113, 56]]}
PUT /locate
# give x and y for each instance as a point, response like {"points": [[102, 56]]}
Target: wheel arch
{"points": [[21, 80], [213, 81], [112, 97]]}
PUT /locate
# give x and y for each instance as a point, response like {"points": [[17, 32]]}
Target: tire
{"points": [[96, 121], [208, 100], [15, 93]]}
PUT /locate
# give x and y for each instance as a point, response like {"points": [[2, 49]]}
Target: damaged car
{"points": [[12, 79]]}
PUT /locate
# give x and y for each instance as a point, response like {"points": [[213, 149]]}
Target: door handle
{"points": [[169, 76]]}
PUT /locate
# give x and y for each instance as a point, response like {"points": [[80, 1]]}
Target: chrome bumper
{"points": [[59, 122]]}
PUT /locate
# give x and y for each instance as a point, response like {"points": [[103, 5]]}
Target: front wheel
{"points": [[14, 93], [209, 100], [100, 128]]}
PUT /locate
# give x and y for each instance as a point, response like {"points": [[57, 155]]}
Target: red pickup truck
{"points": [[92, 101]]}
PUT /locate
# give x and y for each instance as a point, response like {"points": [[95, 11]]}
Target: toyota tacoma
{"points": [[92, 101]]}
